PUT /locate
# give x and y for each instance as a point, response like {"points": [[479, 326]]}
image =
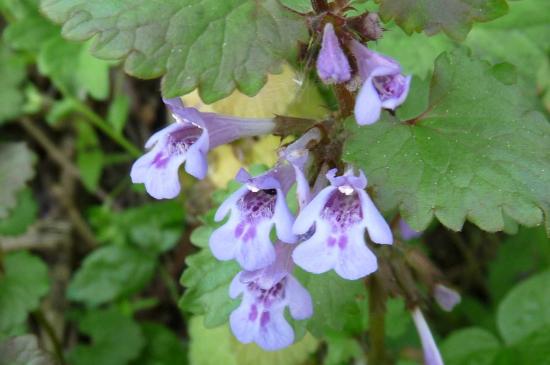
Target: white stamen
{"points": [[346, 189], [252, 188]]}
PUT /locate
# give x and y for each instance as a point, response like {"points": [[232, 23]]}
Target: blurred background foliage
{"points": [[90, 266]]}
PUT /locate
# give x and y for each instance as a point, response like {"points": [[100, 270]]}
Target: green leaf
{"points": [[454, 17], [21, 217], [525, 309], [162, 347], [155, 227], [207, 287], [535, 349], [23, 283], [73, 70], [518, 256], [470, 346], [339, 304], [12, 74], [23, 350], [228, 351], [475, 153], [342, 349], [110, 273], [30, 32], [118, 112], [90, 156], [214, 45], [116, 339]]}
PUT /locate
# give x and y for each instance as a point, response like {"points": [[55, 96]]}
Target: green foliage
{"points": [[116, 339], [470, 346], [90, 158], [22, 284], [215, 46], [12, 74], [154, 227], [110, 273], [475, 153], [23, 350], [162, 347], [16, 168], [525, 309], [21, 217], [454, 17]]}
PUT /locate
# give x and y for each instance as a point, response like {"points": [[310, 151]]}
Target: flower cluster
{"points": [[259, 230]]}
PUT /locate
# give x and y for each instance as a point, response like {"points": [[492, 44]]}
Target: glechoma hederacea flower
{"points": [[255, 208], [340, 213], [431, 352], [265, 295], [332, 63], [188, 140], [261, 204], [384, 86]]}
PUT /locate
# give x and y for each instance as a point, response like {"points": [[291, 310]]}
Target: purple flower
{"points": [[188, 140], [383, 84], [431, 352], [255, 208], [332, 63], [340, 213], [407, 233], [265, 295], [446, 297]]}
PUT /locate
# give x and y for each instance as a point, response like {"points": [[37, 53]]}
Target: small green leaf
{"points": [[214, 45], [207, 287], [12, 74], [534, 349], [21, 217], [475, 153], [24, 282], [518, 256], [470, 346], [162, 347], [342, 349], [338, 304], [116, 339], [110, 273], [525, 309], [454, 17], [155, 227], [16, 168], [23, 350], [90, 156], [30, 32], [118, 112]]}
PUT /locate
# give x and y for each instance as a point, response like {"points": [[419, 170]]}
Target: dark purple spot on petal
{"points": [[390, 86], [343, 241], [342, 211], [264, 320], [160, 161], [253, 314]]}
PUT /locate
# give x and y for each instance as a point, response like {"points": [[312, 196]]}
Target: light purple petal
{"points": [[431, 352], [446, 297], [332, 63], [237, 287], [222, 242], [258, 252], [140, 169], [276, 334], [315, 255], [163, 134], [378, 228], [164, 182], [371, 63], [303, 193], [299, 300], [230, 203], [355, 260], [407, 233], [393, 103], [196, 164], [367, 104], [310, 213], [241, 322], [283, 219]]}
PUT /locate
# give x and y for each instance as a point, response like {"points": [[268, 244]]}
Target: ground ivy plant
{"points": [[422, 125]]}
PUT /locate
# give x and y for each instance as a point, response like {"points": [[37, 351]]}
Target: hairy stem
{"points": [[345, 100], [319, 6], [377, 310]]}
